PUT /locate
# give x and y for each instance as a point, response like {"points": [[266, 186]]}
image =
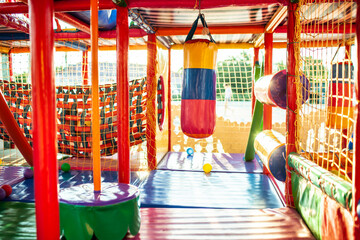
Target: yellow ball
{"points": [[207, 167]]}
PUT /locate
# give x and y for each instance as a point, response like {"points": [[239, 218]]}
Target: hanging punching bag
{"points": [[198, 99]]}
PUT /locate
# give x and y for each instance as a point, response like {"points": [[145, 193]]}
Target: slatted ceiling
{"points": [[229, 16], [324, 11], [342, 11]]}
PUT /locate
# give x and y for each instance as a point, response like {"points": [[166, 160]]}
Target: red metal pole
{"points": [[253, 99], [95, 105], [268, 70], [44, 119], [291, 98], [85, 67], [150, 104], [122, 79], [169, 101], [13, 129], [356, 168]]}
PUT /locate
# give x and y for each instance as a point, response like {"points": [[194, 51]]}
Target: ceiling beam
{"points": [[70, 36], [14, 23], [67, 18], [273, 23], [73, 21], [59, 6], [220, 46], [250, 29]]}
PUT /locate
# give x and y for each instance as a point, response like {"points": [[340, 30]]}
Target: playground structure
{"points": [[112, 128]]}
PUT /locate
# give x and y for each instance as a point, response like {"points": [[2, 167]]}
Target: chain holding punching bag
{"points": [[198, 99]]}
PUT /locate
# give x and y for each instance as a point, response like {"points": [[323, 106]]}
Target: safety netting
{"points": [[325, 122], [74, 108]]}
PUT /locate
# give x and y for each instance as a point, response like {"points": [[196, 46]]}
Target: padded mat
{"points": [[215, 190], [221, 162], [211, 224], [24, 191]]}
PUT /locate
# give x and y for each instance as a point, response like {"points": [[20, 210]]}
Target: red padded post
{"points": [[122, 79], [268, 70], [44, 119]]}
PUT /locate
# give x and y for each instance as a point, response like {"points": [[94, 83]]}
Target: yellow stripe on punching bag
{"points": [[200, 54]]}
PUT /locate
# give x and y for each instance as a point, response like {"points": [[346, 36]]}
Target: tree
{"points": [[236, 71]]}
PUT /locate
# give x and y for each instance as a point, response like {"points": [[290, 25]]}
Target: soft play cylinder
{"points": [[198, 99], [270, 147], [257, 121], [14, 131], [271, 89], [341, 89]]}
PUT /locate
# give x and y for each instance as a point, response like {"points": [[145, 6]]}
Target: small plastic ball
{"points": [[28, 173], [8, 189], [2, 194], [207, 167], [65, 167], [190, 151]]}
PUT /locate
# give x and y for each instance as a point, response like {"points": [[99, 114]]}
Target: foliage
{"points": [[314, 69], [279, 66], [21, 78], [236, 71]]}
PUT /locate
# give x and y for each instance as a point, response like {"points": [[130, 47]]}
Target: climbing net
{"points": [[325, 123], [73, 101]]}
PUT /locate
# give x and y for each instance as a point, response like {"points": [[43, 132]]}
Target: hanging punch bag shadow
{"points": [[198, 98]]}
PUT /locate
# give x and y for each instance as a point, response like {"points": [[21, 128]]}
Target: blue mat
{"points": [[221, 162], [216, 190], [24, 191]]}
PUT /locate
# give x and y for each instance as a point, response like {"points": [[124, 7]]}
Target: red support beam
{"points": [[253, 98], [73, 21], [268, 38], [349, 28], [133, 33], [169, 101], [14, 131], [85, 67], [291, 98], [44, 119], [150, 103], [59, 6], [246, 29], [122, 80], [356, 166], [13, 22]]}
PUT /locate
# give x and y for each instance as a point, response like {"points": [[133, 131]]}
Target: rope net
{"points": [[73, 99], [325, 122]]}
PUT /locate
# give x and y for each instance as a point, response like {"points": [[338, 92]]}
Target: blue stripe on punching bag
{"points": [[199, 83]]}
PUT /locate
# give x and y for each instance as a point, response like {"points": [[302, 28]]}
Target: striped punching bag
{"points": [[198, 99]]}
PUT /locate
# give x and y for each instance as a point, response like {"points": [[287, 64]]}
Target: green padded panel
{"points": [[309, 203], [334, 186], [17, 220]]}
